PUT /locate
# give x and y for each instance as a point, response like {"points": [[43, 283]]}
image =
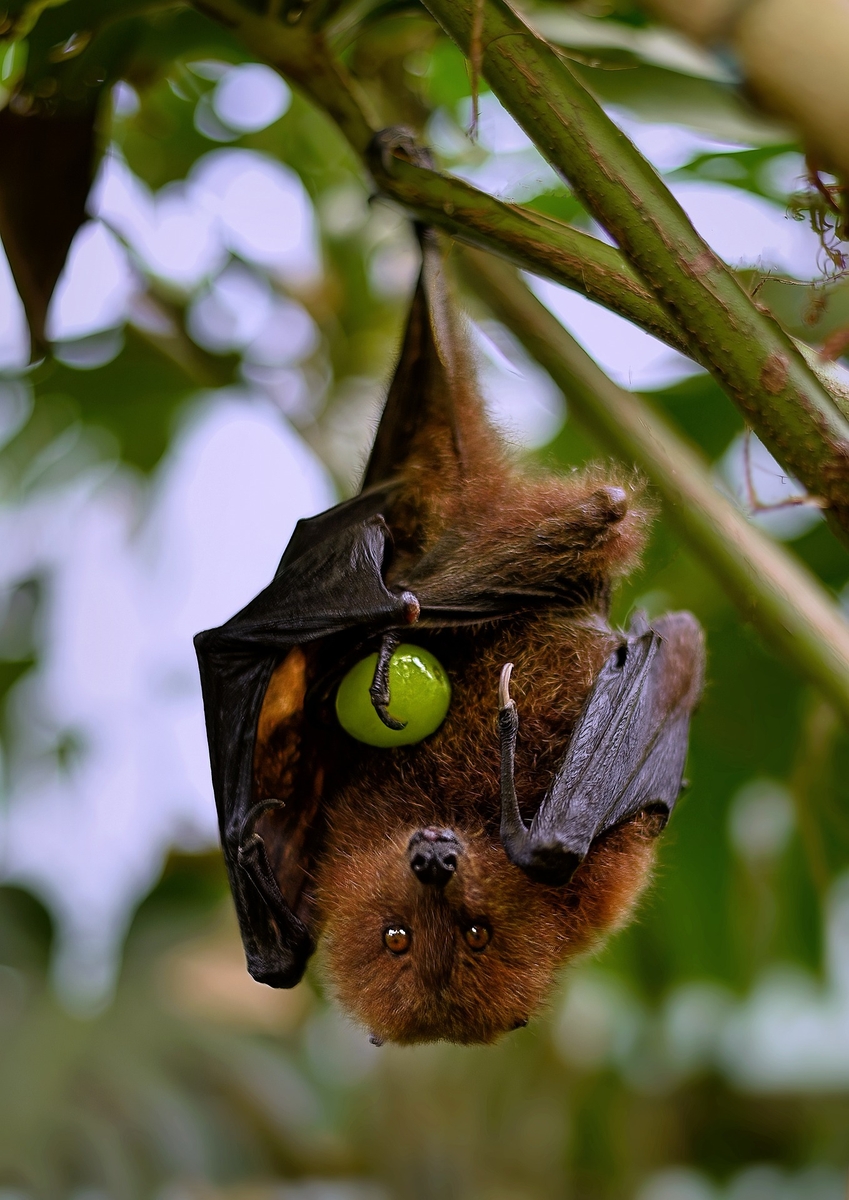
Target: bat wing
{"points": [[626, 754], [330, 580]]}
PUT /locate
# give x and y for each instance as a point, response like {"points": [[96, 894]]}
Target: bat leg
{"points": [[379, 690], [547, 859]]}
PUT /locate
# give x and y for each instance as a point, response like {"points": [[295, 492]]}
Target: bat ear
{"points": [[433, 415]]}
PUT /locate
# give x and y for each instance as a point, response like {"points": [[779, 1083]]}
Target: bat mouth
{"points": [[434, 855]]}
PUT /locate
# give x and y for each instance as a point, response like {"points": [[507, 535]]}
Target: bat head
{"points": [[435, 935]]}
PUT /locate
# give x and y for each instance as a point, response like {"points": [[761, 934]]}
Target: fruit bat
{"points": [[446, 880]]}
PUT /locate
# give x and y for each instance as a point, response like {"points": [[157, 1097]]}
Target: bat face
{"points": [[447, 881], [470, 961]]}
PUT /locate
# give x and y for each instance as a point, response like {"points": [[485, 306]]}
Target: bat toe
{"points": [[610, 504]]}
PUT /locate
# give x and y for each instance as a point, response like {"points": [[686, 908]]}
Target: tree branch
{"points": [[772, 590], [302, 55], [789, 607], [748, 352], [527, 239]]}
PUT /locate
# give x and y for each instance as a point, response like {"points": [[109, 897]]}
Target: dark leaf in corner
{"points": [[47, 164]]}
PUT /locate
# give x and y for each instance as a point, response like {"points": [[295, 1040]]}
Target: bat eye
{"points": [[477, 936], [397, 939]]}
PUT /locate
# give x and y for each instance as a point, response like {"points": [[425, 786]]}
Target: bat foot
{"points": [[397, 142]]}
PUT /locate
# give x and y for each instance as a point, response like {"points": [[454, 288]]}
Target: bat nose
{"points": [[433, 854]]}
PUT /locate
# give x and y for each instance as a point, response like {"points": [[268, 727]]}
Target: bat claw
{"points": [[504, 686], [379, 690], [248, 828], [397, 142], [388, 720]]}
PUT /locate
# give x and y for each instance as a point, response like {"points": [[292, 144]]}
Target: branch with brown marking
{"points": [[745, 349], [773, 590]]}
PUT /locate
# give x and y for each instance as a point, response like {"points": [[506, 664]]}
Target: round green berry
{"points": [[419, 695]]}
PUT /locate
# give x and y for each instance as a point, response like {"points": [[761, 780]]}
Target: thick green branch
{"points": [[529, 240], [749, 354], [773, 590], [779, 596]]}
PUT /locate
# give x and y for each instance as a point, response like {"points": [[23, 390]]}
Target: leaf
{"points": [[47, 164]]}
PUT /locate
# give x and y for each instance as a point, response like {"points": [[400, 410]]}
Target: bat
{"points": [[446, 879]]}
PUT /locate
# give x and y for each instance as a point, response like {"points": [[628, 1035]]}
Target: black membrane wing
{"points": [[330, 580], [626, 753]]}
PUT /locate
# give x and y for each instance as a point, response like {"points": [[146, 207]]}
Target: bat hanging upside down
{"points": [[430, 752]]}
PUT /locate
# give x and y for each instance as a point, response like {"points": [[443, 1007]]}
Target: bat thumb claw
{"points": [[504, 686], [388, 720]]}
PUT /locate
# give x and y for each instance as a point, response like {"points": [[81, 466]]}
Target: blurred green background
{"points": [[704, 1052]]}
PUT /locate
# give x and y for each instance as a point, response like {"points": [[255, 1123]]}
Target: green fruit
{"points": [[419, 695]]}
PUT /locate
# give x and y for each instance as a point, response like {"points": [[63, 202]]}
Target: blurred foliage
{"points": [[194, 1081]]}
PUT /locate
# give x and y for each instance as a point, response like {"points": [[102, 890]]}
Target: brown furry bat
{"points": [[448, 879]]}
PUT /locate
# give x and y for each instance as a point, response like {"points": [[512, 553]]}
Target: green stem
{"points": [[749, 354], [772, 590], [530, 240], [789, 607], [527, 239]]}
